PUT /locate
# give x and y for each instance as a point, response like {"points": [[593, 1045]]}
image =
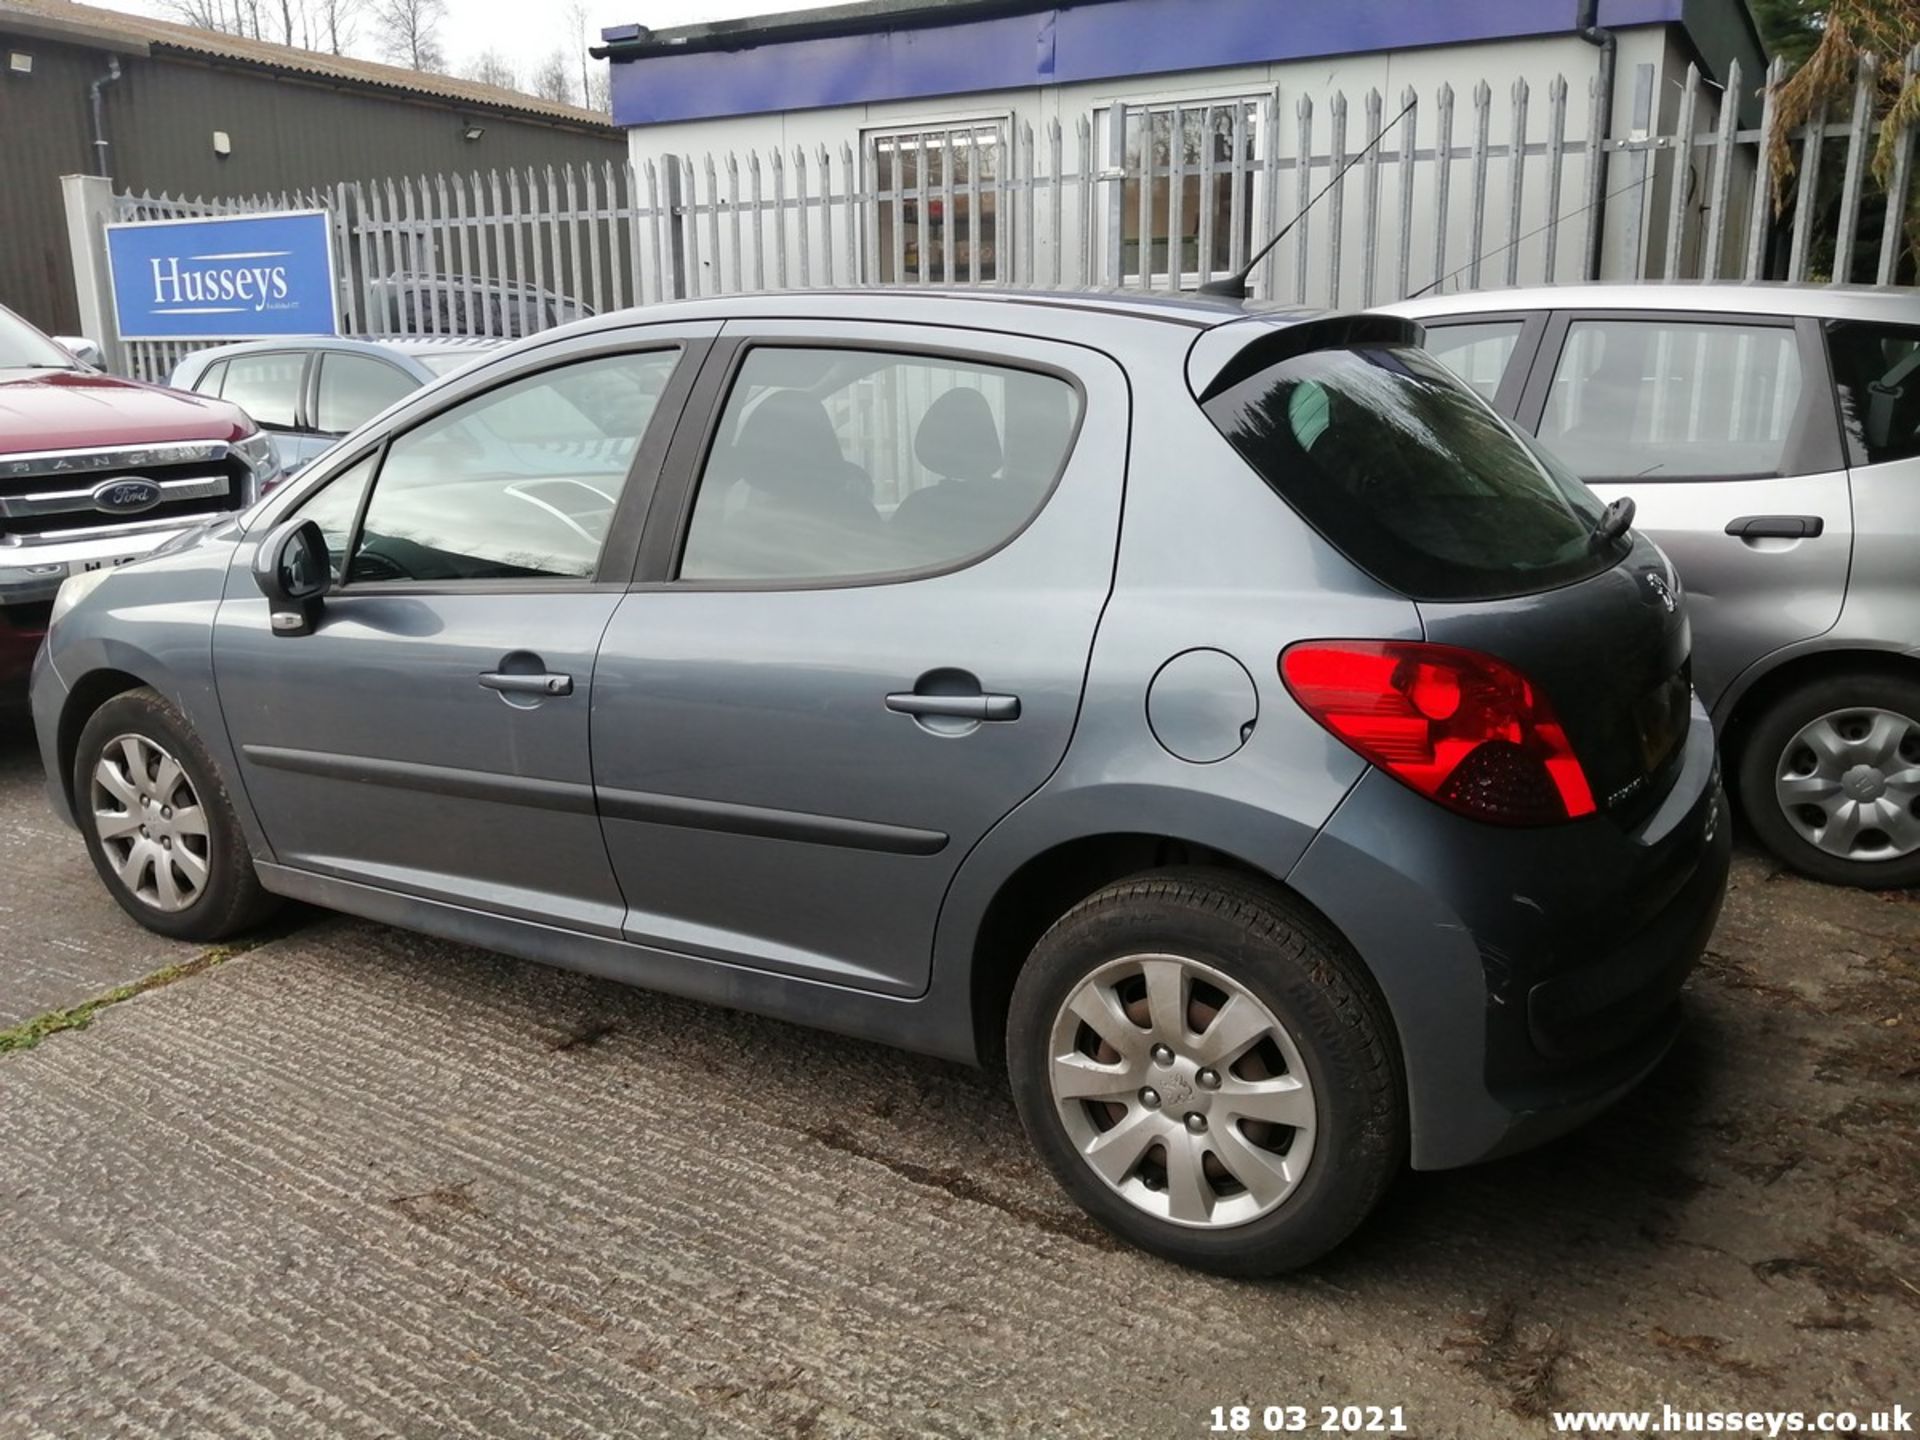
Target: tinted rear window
{"points": [[1412, 476]]}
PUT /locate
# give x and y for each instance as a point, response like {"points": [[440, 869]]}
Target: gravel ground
{"points": [[352, 1181]]}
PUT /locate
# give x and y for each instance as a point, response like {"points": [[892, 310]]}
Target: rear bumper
{"points": [[1533, 975]]}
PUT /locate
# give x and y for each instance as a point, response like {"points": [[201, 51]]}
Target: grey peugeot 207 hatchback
{"points": [[1224, 720]]}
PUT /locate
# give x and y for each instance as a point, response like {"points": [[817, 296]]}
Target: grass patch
{"points": [[30, 1032]]}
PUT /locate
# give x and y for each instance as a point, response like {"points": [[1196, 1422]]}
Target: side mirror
{"points": [[86, 351], [293, 570]]}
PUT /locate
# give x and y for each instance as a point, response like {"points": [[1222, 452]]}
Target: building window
{"points": [[937, 192], [1217, 143]]}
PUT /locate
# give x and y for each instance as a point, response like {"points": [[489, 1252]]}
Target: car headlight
{"points": [[263, 458], [74, 589]]}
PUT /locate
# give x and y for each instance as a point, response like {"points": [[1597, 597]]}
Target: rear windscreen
{"points": [[1412, 476]]}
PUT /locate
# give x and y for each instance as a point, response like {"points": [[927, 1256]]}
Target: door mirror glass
{"points": [[293, 571]]}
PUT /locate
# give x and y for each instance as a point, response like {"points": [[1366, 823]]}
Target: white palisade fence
{"points": [[1461, 190]]}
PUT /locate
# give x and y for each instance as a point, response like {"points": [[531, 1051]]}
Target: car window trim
{"points": [[1813, 444], [664, 543], [320, 358], [614, 563], [199, 385], [1526, 345]]}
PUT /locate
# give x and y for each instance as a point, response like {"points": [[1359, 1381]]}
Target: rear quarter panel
{"points": [[1209, 558]]}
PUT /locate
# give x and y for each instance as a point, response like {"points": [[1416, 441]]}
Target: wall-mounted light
{"points": [[222, 144], [19, 62], [473, 132]]}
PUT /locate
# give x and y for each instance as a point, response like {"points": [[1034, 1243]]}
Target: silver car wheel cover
{"points": [[1166, 1096], [1849, 783], [150, 824]]}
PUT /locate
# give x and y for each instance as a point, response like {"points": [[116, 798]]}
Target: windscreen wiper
{"points": [[1613, 522]]}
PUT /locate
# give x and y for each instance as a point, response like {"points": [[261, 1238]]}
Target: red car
{"points": [[95, 470]]}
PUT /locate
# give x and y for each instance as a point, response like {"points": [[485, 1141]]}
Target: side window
{"points": [[355, 388], [519, 483], [267, 386], [1477, 353], [843, 463], [211, 379], [335, 507], [1674, 399], [1876, 369]]}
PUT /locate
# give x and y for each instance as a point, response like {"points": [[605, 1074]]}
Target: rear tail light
{"points": [[1460, 727]]}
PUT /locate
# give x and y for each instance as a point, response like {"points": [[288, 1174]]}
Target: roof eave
{"points": [[827, 22], [45, 27]]}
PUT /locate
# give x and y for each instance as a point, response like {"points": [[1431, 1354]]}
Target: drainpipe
{"points": [[99, 115], [1588, 29]]}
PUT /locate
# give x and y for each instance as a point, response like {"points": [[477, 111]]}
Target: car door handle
{"points": [[957, 707], [1777, 527], [540, 684]]}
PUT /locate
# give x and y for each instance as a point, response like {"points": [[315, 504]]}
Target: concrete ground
{"points": [[356, 1182]]}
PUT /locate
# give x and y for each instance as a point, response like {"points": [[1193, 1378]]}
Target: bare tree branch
{"points": [[409, 32], [490, 67], [553, 80]]}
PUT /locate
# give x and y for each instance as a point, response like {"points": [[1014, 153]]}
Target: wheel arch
{"points": [[1052, 881], [1766, 682], [83, 702]]}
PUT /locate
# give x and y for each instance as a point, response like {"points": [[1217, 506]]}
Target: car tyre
{"points": [[1204, 941], [159, 824], [1858, 729]]}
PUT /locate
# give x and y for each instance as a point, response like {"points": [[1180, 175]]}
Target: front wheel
{"points": [[158, 823], [1830, 780], [1203, 1067]]}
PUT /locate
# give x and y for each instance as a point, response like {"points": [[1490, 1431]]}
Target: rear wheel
{"points": [[1830, 780], [1202, 1066], [158, 823]]}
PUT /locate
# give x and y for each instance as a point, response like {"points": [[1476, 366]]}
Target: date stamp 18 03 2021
{"points": [[1308, 1420]]}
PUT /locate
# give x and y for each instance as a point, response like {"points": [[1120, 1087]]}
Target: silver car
{"points": [[1226, 722], [309, 392], [1769, 436]]}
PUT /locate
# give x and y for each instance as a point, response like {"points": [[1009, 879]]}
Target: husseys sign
{"points": [[229, 277]]}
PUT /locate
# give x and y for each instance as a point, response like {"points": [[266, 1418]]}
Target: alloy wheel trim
{"points": [[1120, 1152], [150, 823]]}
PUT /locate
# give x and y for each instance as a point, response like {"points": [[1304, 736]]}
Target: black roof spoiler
{"points": [[1241, 348]]}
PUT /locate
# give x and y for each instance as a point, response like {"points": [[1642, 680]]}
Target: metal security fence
{"points": [[1452, 190]]}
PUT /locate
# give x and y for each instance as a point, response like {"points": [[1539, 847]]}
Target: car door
{"points": [[430, 735], [1721, 427], [866, 600]]}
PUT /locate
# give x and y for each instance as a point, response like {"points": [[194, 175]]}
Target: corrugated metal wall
{"points": [[43, 135], [161, 114]]}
